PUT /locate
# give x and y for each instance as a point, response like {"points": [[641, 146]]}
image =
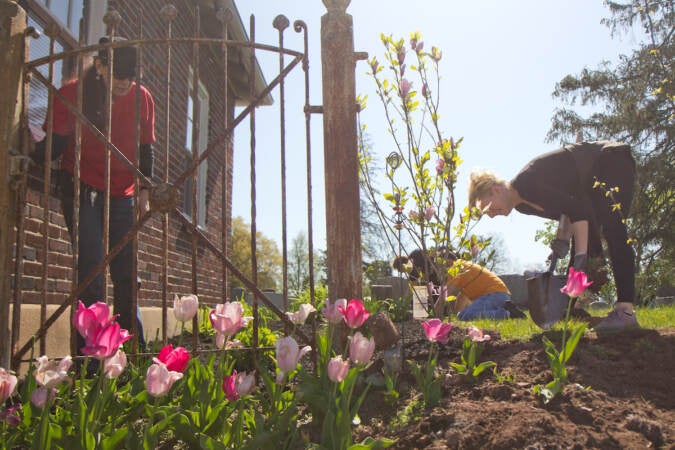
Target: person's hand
{"points": [[580, 262], [144, 201], [559, 248]]}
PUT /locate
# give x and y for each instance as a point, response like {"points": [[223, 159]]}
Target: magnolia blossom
{"points": [[159, 379], [185, 307], [440, 163], [7, 385], [102, 335], [355, 314], [50, 374], [227, 318], [300, 316], [429, 212], [42, 395], [361, 348], [11, 415], [332, 310], [405, 87], [115, 365], [401, 56], [414, 215], [577, 282], [437, 330], [337, 369], [476, 335], [175, 359], [289, 353], [238, 384]]}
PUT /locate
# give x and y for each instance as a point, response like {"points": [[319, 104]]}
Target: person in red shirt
{"points": [[123, 122]]}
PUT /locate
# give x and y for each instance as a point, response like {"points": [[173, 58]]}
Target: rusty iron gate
{"points": [[165, 192]]}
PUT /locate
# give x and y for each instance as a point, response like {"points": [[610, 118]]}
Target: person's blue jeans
{"points": [[489, 306], [90, 231]]}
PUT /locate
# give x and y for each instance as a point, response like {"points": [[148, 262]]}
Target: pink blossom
{"points": [[175, 359], [40, 396], [11, 415], [159, 379], [89, 321], [440, 165], [106, 342], [52, 373], [414, 215], [476, 335], [437, 330], [577, 282], [355, 314], [337, 369], [300, 316], [7, 385], [429, 212], [405, 87], [227, 319], [229, 387], [401, 56], [185, 307], [361, 348], [115, 365], [332, 311], [289, 353], [238, 384], [425, 90]]}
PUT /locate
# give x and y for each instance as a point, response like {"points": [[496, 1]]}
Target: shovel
{"points": [[546, 303]]}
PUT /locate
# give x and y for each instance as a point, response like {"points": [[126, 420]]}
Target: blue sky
{"points": [[500, 63]]}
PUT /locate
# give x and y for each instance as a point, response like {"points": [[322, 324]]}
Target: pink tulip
{"points": [[11, 415], [227, 319], [289, 353], [577, 282], [106, 342], [238, 384], [476, 335], [115, 365], [229, 386], [175, 359], [50, 374], [361, 348], [159, 379], [354, 313], [7, 385], [185, 307], [332, 311], [437, 330], [42, 395], [337, 369], [300, 316], [89, 321]]}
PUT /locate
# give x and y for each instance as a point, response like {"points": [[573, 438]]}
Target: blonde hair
{"points": [[480, 183]]}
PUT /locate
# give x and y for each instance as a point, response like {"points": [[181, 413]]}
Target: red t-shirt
{"points": [[123, 125]]}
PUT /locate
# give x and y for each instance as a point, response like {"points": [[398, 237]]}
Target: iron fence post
{"points": [[343, 223], [12, 52]]}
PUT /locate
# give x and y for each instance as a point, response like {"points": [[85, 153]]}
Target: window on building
{"points": [[201, 99]]}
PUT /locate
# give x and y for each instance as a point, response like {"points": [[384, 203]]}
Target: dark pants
{"points": [[91, 252], [616, 170]]}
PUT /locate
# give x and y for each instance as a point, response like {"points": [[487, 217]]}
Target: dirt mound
{"points": [[620, 396]]}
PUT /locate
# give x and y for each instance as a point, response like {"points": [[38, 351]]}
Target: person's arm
{"points": [[146, 164], [59, 143]]}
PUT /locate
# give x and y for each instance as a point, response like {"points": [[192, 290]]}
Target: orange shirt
{"points": [[476, 281]]}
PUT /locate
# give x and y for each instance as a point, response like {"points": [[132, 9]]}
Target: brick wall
{"points": [[150, 243]]}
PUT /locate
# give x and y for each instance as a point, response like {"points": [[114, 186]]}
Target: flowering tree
{"points": [[423, 166]]}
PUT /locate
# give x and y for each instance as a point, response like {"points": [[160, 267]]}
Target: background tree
{"points": [[268, 256], [635, 103], [298, 264]]}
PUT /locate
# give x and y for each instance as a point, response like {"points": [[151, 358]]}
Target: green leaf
{"points": [[572, 342]]}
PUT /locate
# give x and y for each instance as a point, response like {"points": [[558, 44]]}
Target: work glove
{"points": [[580, 262], [559, 248]]}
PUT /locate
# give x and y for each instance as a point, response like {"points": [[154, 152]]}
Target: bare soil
{"points": [[621, 395]]}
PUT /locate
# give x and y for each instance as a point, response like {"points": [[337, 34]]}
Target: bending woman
{"points": [[589, 188]]}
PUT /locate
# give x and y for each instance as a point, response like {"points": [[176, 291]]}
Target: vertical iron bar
{"points": [[137, 213], [281, 23], [168, 12], [254, 259], [225, 16], [196, 129]]}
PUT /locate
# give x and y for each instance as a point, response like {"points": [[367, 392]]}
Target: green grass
{"points": [[524, 329]]}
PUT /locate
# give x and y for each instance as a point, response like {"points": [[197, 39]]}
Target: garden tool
{"points": [[546, 303]]}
